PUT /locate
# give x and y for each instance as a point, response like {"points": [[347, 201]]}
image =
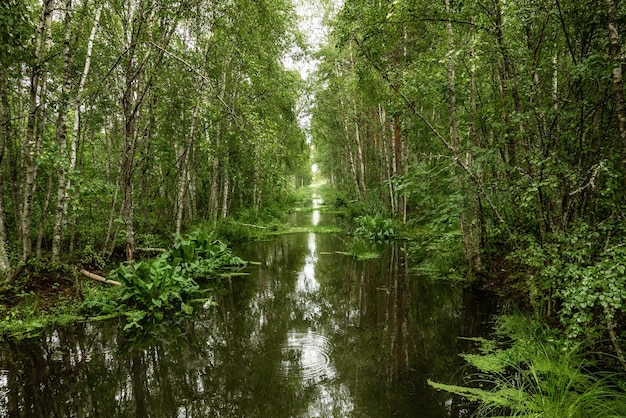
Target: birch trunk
{"points": [[6, 135], [214, 196], [61, 135], [349, 152], [38, 87], [398, 159], [615, 48], [387, 163], [62, 202], [137, 86], [359, 149], [184, 179], [225, 187], [42, 219], [467, 222]]}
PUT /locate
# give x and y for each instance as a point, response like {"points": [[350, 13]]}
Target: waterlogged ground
{"points": [[310, 333]]}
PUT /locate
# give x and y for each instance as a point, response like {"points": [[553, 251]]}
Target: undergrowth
{"points": [[169, 284], [532, 372]]}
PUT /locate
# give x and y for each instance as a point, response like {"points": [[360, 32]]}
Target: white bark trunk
{"points": [[65, 182], [38, 87]]}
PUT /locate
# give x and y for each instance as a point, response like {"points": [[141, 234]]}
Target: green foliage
{"points": [[154, 287], [166, 285], [536, 374], [16, 27], [28, 313], [99, 301], [570, 277], [595, 295], [375, 228], [91, 258], [201, 255], [438, 256]]}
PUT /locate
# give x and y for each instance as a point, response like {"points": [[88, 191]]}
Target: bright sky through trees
{"points": [[311, 14]]}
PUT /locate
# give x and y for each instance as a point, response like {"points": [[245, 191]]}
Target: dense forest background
{"points": [[123, 120], [497, 130]]}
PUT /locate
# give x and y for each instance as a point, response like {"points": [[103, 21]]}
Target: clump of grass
{"points": [[537, 374]]}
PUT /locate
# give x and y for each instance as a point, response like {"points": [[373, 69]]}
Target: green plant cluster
{"points": [[596, 294], [572, 278], [167, 284], [375, 228], [537, 374]]}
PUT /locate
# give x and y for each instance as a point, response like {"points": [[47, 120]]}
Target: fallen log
{"points": [[98, 278], [151, 249]]}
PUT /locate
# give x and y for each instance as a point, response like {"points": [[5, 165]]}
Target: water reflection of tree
{"points": [[403, 330], [389, 329]]}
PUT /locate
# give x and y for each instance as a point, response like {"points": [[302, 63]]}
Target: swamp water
{"points": [[310, 333]]}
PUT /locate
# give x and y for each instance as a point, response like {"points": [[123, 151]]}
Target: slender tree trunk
{"points": [[62, 202], [137, 86], [509, 82], [475, 230], [359, 149], [349, 151], [214, 195], [34, 129], [184, 179], [41, 230], [61, 133], [466, 221], [387, 163], [225, 183], [615, 49], [183, 183], [398, 158], [110, 235], [6, 137], [357, 134]]}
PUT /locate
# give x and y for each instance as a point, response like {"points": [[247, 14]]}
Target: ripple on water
{"points": [[306, 355]]}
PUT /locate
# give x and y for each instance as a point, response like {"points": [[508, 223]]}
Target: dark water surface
{"points": [[310, 333]]}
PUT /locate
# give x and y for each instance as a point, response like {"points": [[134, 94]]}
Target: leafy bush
{"points": [[583, 286], [201, 254], [90, 258], [156, 287]]}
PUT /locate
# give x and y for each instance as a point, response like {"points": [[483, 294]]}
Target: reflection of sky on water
{"points": [[307, 355], [306, 277], [315, 216]]}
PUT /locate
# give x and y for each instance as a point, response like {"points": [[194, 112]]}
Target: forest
{"points": [[489, 134], [496, 132], [122, 120]]}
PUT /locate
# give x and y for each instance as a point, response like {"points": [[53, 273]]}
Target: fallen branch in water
{"points": [[98, 278], [250, 225]]}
